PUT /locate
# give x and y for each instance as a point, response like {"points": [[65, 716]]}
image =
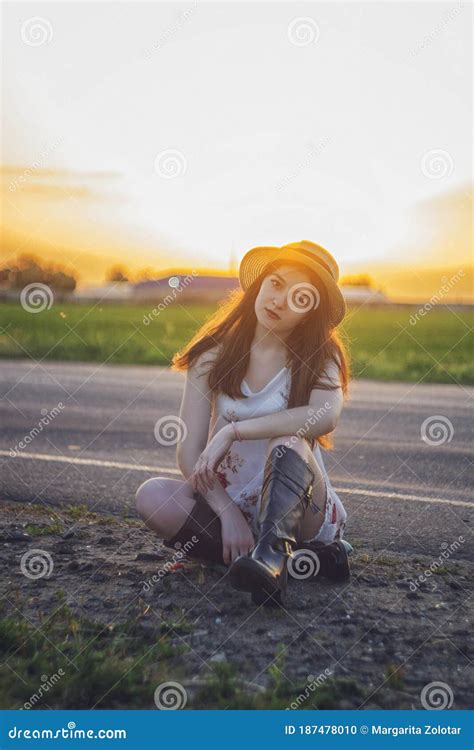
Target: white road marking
{"points": [[91, 462], [170, 470], [400, 496]]}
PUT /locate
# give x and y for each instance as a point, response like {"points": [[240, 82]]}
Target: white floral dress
{"points": [[241, 470]]}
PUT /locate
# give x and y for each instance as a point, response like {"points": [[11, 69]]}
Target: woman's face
{"points": [[289, 293]]}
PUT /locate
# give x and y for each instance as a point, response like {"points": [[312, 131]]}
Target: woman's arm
{"points": [[195, 412], [304, 421], [319, 417]]}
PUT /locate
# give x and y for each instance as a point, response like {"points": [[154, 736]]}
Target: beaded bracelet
{"points": [[237, 433]]}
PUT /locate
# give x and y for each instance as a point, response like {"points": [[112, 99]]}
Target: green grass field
{"points": [[383, 344]]}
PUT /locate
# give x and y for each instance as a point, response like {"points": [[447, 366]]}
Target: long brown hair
{"points": [[314, 343]]}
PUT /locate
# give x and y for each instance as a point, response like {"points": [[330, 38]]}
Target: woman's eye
{"points": [[274, 281]]}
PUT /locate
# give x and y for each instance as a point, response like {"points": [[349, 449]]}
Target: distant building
{"points": [[113, 291], [187, 287], [353, 293]]}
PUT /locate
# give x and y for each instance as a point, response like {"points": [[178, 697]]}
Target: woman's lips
{"points": [[271, 314]]}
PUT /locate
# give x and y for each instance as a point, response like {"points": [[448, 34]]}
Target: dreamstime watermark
{"points": [[436, 31], [47, 682], [47, 417], [170, 430], [170, 696], [437, 430], [303, 297], [437, 296], [303, 163], [36, 297], [170, 163], [171, 31], [177, 284], [437, 696], [35, 166], [36, 31], [64, 733], [313, 683], [303, 564], [436, 564], [302, 431], [36, 563], [437, 164], [165, 569], [302, 31]]}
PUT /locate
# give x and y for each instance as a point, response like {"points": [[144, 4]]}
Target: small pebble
{"points": [[150, 556], [220, 657], [106, 540]]}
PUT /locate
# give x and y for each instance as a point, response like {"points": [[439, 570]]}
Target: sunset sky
{"points": [[183, 134]]}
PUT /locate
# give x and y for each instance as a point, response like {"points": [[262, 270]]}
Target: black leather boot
{"points": [[314, 559], [286, 492]]}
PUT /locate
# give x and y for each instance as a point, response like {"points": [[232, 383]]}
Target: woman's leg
{"points": [[181, 517], [165, 504], [314, 516]]}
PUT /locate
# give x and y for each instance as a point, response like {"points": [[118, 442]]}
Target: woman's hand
{"points": [[237, 537], [203, 476]]}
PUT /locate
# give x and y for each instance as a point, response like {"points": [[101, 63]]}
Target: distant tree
{"points": [[360, 279], [117, 273], [60, 280], [28, 269]]}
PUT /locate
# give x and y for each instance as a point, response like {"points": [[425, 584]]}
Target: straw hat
{"points": [[314, 256]]}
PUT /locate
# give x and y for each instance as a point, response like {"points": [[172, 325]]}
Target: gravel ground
{"points": [[374, 642]]}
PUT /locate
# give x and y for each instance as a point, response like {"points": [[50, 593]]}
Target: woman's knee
{"points": [[152, 494], [164, 504], [302, 447]]}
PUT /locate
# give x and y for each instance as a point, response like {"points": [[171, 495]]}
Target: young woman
{"points": [[266, 378]]}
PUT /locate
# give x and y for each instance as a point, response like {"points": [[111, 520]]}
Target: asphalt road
{"points": [[401, 492]]}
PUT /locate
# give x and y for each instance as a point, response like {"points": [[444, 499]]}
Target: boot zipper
{"points": [[308, 495]]}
